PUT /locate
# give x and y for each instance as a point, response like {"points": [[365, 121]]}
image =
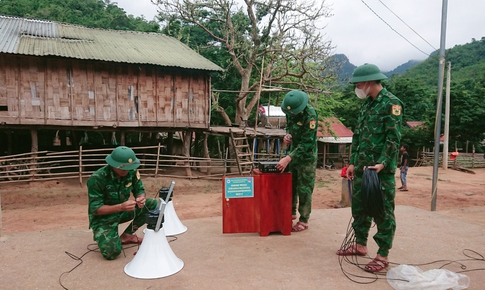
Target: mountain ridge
{"points": [[344, 68]]}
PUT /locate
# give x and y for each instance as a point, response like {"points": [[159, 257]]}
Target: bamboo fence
{"points": [[465, 160], [80, 164]]}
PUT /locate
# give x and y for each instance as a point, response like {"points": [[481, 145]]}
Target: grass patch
{"points": [[439, 179], [321, 184], [420, 174]]}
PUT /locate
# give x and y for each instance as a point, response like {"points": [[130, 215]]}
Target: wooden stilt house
{"points": [[61, 76]]}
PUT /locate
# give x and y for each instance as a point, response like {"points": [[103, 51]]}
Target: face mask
{"points": [[361, 94]]}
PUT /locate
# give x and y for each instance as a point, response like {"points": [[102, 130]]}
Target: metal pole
{"points": [[441, 74], [447, 117], [163, 205]]}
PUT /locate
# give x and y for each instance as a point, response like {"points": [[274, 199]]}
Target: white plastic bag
{"points": [[405, 277]]}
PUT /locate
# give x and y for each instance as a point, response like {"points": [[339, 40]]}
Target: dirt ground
{"points": [[62, 204]]}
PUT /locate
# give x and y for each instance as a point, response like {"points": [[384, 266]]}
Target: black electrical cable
{"points": [[91, 248], [372, 196], [368, 278], [363, 277], [77, 259], [373, 206], [94, 248]]}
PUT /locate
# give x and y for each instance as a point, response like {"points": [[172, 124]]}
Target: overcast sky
{"points": [[356, 31]]}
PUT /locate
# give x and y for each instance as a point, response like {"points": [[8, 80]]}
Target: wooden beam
{"points": [[80, 165], [34, 148], [187, 142], [206, 152]]}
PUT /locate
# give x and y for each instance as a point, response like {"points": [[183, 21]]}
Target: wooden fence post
{"points": [[187, 141], [206, 154], [81, 165], [34, 149], [158, 159]]}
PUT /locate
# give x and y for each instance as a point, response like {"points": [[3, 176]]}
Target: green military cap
{"points": [[123, 158], [294, 102], [367, 72]]}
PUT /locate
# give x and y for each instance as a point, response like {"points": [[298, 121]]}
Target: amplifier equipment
{"points": [[270, 167]]}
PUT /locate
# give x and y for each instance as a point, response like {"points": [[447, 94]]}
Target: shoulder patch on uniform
{"points": [[396, 110], [313, 124], [137, 174]]}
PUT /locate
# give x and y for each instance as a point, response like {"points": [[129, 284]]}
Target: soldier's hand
{"points": [[140, 201], [350, 172], [378, 167], [287, 139], [128, 205], [281, 166]]}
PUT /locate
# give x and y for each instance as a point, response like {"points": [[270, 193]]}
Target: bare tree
{"points": [[281, 37]]}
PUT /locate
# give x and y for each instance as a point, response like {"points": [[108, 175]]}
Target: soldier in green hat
{"points": [[375, 145], [109, 190], [301, 137]]}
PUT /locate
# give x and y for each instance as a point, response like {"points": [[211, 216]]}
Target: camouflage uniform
{"points": [[377, 140], [303, 153], [104, 188]]}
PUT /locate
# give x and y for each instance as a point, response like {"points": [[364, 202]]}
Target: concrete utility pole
{"points": [[447, 117], [441, 73]]}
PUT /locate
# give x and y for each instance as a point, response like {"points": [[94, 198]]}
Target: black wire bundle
{"points": [[372, 196]]}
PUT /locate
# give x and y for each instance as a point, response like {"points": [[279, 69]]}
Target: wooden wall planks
{"points": [[69, 92]]}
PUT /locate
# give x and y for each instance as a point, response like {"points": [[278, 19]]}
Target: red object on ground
{"points": [[453, 155]]}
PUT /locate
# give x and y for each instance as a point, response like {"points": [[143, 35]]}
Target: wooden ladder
{"points": [[244, 156]]}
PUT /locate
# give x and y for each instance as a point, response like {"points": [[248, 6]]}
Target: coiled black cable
{"points": [[372, 196]]}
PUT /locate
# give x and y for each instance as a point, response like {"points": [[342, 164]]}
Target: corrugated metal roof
{"points": [[414, 124], [48, 38], [338, 129]]}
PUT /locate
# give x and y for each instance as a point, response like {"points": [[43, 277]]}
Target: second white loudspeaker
{"points": [[172, 224]]}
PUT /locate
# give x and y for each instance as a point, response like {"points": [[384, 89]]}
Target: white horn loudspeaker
{"points": [[171, 222], [155, 259]]}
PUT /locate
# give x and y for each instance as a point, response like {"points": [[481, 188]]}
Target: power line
{"points": [[394, 29], [408, 25]]}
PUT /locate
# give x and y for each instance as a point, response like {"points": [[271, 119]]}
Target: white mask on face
{"points": [[361, 94]]}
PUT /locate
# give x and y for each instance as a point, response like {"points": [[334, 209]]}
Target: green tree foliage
{"points": [[348, 107], [467, 112], [416, 97], [467, 61], [228, 81], [417, 88], [417, 138], [89, 13], [266, 43]]}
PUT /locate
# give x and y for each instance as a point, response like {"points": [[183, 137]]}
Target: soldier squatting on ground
{"points": [[109, 190]]}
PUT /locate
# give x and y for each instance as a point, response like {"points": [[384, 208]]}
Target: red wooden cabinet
{"points": [[269, 210]]}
